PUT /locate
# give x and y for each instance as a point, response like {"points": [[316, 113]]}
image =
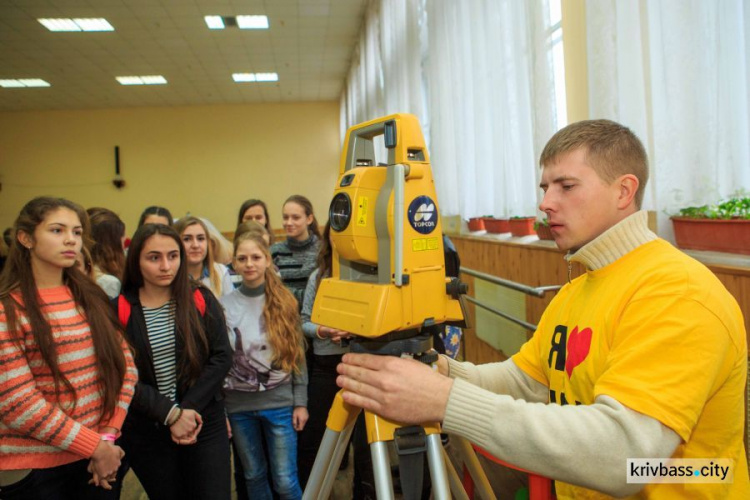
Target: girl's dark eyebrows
{"points": [[53, 223]]}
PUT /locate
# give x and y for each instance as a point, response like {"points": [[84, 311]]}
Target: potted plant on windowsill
{"points": [[721, 228], [542, 230], [522, 226], [476, 224], [496, 226]]}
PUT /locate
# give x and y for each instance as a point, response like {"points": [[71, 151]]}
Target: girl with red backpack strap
{"points": [[175, 434]]}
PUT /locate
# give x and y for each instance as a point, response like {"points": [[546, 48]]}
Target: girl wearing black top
{"points": [[175, 435]]}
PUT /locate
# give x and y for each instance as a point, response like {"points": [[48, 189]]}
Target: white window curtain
{"points": [[478, 75], [362, 99], [386, 74], [677, 73], [491, 103]]}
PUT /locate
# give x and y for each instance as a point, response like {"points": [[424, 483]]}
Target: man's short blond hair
{"points": [[611, 149]]}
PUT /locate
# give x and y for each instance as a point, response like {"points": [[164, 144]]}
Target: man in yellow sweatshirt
{"points": [[642, 357]]}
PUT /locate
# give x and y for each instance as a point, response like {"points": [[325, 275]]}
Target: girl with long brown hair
{"points": [[255, 210], [107, 253], [155, 215], [175, 434], [201, 264], [266, 389], [66, 373]]}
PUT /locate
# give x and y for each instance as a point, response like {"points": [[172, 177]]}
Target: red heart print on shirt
{"points": [[579, 344]]}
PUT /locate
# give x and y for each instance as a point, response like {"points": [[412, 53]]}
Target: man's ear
{"points": [[628, 186], [25, 239]]}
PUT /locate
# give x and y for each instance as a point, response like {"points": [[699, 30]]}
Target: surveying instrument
{"points": [[387, 287]]}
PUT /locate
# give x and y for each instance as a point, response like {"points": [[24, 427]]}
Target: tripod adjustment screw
{"points": [[427, 358]]}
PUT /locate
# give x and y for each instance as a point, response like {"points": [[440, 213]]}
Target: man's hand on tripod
{"points": [[399, 389]]}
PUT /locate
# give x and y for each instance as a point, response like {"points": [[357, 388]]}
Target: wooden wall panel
{"points": [[737, 281], [538, 265]]}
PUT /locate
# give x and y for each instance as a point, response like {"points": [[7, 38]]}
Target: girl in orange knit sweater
{"points": [[66, 374]]}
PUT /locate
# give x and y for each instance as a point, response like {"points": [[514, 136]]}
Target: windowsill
{"points": [[531, 240], [723, 259]]}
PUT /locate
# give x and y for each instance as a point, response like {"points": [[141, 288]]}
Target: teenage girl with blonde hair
{"points": [[266, 389], [201, 264]]}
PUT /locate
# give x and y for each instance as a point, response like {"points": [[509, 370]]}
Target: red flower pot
{"points": [[544, 232], [476, 224], [522, 226], [497, 225], [718, 235]]}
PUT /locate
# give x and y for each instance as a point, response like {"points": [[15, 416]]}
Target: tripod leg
{"points": [[457, 488], [342, 446], [322, 459], [381, 468], [440, 489], [339, 426], [481, 483]]}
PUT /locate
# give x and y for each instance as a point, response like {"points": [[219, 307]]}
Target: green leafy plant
{"points": [[542, 222], [522, 217], [733, 208]]}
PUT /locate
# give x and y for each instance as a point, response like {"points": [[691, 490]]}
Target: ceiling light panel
{"points": [[77, 24], [8, 84], [142, 80], [154, 80], [243, 77], [24, 82], [252, 22], [267, 77], [60, 24], [214, 22], [255, 77], [242, 22], [94, 24], [34, 82]]}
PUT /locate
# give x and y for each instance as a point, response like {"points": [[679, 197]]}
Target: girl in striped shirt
{"points": [[175, 434], [66, 374]]}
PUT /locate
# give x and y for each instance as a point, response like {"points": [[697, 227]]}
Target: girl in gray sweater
{"points": [[266, 388]]}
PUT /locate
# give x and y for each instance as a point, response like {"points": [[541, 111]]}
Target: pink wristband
{"points": [[109, 437]]}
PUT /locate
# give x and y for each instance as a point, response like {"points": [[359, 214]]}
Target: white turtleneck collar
{"points": [[615, 242]]}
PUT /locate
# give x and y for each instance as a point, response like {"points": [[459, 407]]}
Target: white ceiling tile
{"points": [[309, 44]]}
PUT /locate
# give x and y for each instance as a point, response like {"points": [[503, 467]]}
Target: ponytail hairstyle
{"points": [[325, 255], [155, 210], [280, 313], [208, 262], [255, 203], [305, 203], [107, 231], [18, 294], [188, 326]]}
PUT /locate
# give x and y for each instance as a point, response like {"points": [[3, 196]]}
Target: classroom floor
{"points": [[505, 482], [342, 488]]}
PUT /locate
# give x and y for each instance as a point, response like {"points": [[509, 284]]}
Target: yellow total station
{"points": [[388, 272]]}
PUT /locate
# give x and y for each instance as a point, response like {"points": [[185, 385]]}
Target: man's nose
{"points": [[547, 202]]}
